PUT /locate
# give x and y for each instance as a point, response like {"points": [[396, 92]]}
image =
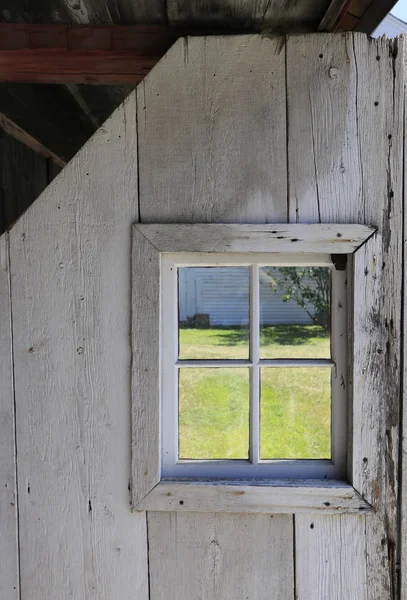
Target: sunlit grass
{"points": [[295, 402], [276, 341]]}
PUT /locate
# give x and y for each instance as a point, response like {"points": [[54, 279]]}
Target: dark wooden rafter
{"points": [[334, 15], [28, 140], [355, 15]]}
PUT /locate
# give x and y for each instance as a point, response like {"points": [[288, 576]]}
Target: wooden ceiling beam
{"points": [[28, 140], [354, 15], [84, 54], [334, 15]]}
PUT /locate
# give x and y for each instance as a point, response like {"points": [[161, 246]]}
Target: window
{"points": [[231, 410], [242, 396]]}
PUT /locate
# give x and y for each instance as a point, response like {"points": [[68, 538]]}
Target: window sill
{"points": [[255, 496]]}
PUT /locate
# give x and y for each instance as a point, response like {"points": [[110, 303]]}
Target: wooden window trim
{"points": [[150, 491]]}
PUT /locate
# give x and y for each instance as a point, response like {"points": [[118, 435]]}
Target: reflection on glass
{"points": [[295, 413], [295, 304], [213, 413], [213, 310]]}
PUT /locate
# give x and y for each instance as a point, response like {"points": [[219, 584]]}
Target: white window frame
{"points": [[151, 489], [254, 467]]}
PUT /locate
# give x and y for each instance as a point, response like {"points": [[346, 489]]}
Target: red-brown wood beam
{"points": [[95, 55], [334, 15]]}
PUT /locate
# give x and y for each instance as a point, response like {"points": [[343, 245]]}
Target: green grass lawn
{"points": [[295, 402]]}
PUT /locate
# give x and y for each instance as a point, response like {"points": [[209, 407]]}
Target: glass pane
{"points": [[214, 413], [295, 413], [213, 312], [295, 305]]}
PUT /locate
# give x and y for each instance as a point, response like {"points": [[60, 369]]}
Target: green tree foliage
{"points": [[309, 287]]}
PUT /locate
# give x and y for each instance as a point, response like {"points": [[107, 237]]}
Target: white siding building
{"points": [[223, 294], [391, 27]]}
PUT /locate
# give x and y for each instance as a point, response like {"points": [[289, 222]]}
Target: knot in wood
{"points": [[334, 72]]}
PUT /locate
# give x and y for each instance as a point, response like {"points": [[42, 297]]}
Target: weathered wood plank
{"points": [[266, 496], [276, 15], [330, 557], [146, 443], [324, 238], [247, 14], [9, 578], [348, 90], [71, 257], [403, 453], [205, 156], [142, 11], [328, 83], [291, 17], [219, 557], [212, 160]]}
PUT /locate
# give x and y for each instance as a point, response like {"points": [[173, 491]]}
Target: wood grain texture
{"points": [[146, 430], [246, 14], [403, 454], [330, 557], [102, 12], [292, 17], [317, 238], [71, 271], [9, 576], [205, 155], [348, 90], [278, 16], [208, 156], [141, 11], [219, 557], [267, 496]]}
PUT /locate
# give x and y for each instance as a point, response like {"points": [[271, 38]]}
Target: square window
{"points": [[240, 350], [247, 383]]}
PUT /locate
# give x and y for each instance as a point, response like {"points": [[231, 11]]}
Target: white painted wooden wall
{"points": [[239, 129]]}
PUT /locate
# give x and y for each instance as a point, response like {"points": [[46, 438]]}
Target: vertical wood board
{"points": [[212, 148], [146, 368], [403, 454], [331, 562], [70, 280], [212, 132], [341, 179], [9, 581], [220, 557]]}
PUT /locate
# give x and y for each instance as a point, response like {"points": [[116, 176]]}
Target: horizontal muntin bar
{"points": [[296, 362], [265, 362]]}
